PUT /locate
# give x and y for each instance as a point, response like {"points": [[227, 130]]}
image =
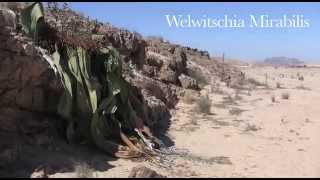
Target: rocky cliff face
{"points": [[27, 84], [158, 72]]}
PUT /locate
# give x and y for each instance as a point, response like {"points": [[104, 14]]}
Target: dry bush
{"points": [[204, 104], [189, 97], [251, 127], [273, 98], [285, 95], [198, 76], [215, 88], [235, 111], [301, 78], [194, 121], [82, 170], [255, 82]]}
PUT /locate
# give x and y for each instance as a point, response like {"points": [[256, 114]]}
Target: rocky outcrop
{"points": [[27, 82], [157, 71], [130, 45], [144, 172], [28, 92]]}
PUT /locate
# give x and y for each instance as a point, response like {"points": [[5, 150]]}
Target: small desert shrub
{"points": [[251, 127], [204, 104], [188, 97], [235, 111], [194, 121], [285, 95], [301, 78], [255, 82], [215, 88], [83, 171], [198, 76], [273, 98]]}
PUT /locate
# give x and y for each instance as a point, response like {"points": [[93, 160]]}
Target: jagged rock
{"points": [[179, 62], [168, 75], [160, 90], [25, 77], [149, 70], [129, 44], [28, 85], [7, 18], [144, 172], [154, 59], [157, 114], [29, 49], [13, 5], [188, 82]]}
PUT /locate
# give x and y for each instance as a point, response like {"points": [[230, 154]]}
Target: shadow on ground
{"points": [[60, 158]]}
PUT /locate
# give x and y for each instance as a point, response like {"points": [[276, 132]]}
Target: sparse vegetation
{"points": [[285, 95], [251, 127], [194, 121], [235, 111], [204, 104], [273, 98], [301, 78], [198, 76], [188, 97], [215, 88], [255, 82]]}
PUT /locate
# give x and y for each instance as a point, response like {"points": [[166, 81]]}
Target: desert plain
{"points": [[268, 130]]}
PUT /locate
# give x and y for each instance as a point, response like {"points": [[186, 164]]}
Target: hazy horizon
{"points": [[246, 44]]}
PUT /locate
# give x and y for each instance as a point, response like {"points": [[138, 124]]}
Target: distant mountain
{"points": [[283, 61]]}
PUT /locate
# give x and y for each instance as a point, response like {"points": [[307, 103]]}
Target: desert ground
{"points": [[263, 123], [266, 131]]}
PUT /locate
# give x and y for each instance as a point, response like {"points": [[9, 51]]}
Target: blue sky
{"points": [[246, 43]]}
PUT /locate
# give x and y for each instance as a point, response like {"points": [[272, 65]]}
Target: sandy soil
{"points": [[246, 134]]}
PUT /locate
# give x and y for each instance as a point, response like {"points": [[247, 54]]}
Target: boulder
{"points": [[179, 61], [188, 82]]}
